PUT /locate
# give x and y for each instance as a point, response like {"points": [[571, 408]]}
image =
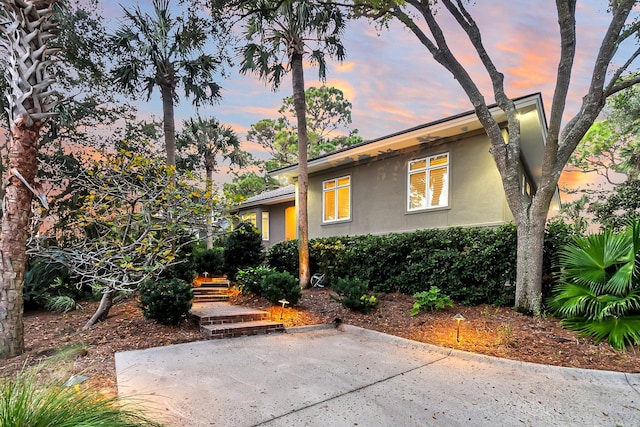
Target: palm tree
{"points": [[28, 26], [280, 34], [160, 51], [210, 140]]}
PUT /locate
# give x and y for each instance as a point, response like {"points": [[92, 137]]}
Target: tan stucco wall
{"points": [[276, 221], [379, 192]]}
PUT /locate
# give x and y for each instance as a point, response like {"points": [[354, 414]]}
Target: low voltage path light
{"points": [[458, 318], [283, 302]]}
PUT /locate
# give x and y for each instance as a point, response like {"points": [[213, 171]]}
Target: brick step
{"points": [[209, 298], [222, 312], [230, 330], [218, 282], [234, 318], [208, 285], [210, 291]]}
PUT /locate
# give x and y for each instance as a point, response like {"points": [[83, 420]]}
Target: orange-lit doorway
{"points": [[290, 225]]}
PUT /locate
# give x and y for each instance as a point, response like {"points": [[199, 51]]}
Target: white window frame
{"points": [[337, 204], [264, 217], [427, 170]]}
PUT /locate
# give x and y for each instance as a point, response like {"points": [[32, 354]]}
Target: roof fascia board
{"points": [[441, 125]]}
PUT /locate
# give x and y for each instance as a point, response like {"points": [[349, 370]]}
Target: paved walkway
{"points": [[356, 377]]}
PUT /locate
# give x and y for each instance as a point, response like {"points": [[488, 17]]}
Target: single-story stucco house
{"points": [[436, 175]]}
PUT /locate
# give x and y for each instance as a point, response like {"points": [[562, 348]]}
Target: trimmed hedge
{"points": [[471, 265]]}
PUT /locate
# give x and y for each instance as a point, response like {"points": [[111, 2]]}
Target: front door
{"points": [[290, 223]]}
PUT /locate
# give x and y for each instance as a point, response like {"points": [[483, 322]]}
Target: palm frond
{"points": [[619, 332], [571, 299]]}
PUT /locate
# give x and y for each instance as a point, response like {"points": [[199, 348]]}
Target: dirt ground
{"points": [[489, 330]]}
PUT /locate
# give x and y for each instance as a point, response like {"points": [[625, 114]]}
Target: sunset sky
{"points": [[394, 84]]}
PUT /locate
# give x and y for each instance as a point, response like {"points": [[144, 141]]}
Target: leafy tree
{"points": [[249, 184], [327, 112], [611, 147], [280, 141], [279, 35], [614, 210], [165, 52], [120, 236], [28, 32], [204, 141], [425, 19]]}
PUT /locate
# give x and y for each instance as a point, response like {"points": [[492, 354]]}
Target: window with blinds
{"points": [[336, 199], [265, 225], [428, 182]]}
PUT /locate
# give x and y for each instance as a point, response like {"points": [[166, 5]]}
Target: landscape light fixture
{"points": [[283, 302], [458, 318]]}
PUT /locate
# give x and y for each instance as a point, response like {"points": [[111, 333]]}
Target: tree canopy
{"points": [[160, 51], [328, 117]]}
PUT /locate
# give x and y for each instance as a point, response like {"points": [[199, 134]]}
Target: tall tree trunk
{"points": [[15, 221], [168, 124], [209, 190], [297, 77], [529, 264], [106, 302]]}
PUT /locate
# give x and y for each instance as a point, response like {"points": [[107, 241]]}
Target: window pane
{"points": [[418, 164], [438, 187], [329, 206], [343, 203], [344, 181], [265, 225], [418, 190], [250, 217], [329, 184], [438, 160]]}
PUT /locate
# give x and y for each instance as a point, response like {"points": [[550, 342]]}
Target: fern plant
{"points": [[598, 294]]}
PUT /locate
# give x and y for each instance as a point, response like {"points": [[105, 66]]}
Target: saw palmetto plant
{"points": [[599, 291]]}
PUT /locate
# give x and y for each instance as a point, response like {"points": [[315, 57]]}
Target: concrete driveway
{"points": [[355, 377]]}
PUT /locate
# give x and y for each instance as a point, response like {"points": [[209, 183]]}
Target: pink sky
{"points": [[394, 84]]}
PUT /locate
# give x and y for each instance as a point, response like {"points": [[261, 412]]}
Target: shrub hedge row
{"points": [[471, 265]]}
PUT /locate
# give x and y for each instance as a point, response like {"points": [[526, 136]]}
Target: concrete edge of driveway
{"points": [[633, 379]]}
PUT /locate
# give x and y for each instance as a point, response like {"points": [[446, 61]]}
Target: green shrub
{"points": [[29, 401], [277, 285], [471, 265], [250, 279], [283, 256], [168, 301], [354, 294], [433, 299], [242, 249], [599, 290], [210, 261]]}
